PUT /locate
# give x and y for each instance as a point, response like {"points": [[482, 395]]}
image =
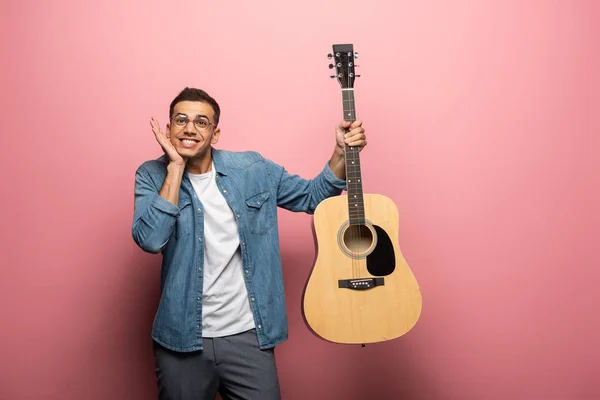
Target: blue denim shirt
{"points": [[254, 187]]}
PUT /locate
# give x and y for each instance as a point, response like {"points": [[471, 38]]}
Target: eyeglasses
{"points": [[200, 123]]}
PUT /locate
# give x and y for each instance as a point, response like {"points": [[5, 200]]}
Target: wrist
{"points": [[176, 167], [337, 163], [338, 155]]}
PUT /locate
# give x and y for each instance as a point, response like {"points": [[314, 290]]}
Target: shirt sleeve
{"points": [[298, 194], [154, 217]]}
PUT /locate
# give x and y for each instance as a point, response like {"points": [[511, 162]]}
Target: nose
{"points": [[189, 128]]}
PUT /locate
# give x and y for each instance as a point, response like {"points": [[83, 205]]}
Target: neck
{"points": [[201, 164], [356, 209]]}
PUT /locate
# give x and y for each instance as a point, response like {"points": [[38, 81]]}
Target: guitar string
{"points": [[353, 212], [354, 230], [348, 117], [357, 228]]}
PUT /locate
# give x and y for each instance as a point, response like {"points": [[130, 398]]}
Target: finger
{"points": [[161, 139], [354, 143], [359, 145], [356, 124], [343, 125], [159, 135], [156, 130], [358, 138], [356, 129], [154, 124], [355, 135]]}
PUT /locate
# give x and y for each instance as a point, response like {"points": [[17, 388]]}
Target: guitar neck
{"points": [[356, 209]]}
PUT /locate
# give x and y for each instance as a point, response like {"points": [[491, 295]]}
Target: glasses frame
{"points": [[187, 117]]}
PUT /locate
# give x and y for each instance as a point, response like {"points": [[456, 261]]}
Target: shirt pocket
{"points": [[259, 212], [185, 221]]}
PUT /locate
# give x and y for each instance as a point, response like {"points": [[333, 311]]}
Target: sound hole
{"points": [[358, 238]]}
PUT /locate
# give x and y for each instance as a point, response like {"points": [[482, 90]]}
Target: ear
{"points": [[168, 131], [215, 136]]}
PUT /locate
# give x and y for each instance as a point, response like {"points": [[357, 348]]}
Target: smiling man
{"points": [[213, 216]]}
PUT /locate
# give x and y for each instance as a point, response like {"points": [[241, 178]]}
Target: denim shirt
{"points": [[253, 187]]}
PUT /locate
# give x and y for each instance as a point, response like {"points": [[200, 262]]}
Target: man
{"points": [[213, 216]]}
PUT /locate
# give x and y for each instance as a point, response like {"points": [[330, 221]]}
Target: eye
{"points": [[180, 120], [201, 123]]}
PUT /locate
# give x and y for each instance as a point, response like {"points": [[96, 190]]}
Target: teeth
{"points": [[188, 141]]}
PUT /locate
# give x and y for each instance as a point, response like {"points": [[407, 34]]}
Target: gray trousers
{"points": [[233, 366]]}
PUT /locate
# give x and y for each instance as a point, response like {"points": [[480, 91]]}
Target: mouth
{"points": [[187, 142]]}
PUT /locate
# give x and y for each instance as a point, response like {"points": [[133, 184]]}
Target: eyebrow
{"points": [[197, 115]]}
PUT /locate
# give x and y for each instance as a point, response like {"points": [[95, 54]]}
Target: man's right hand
{"points": [[166, 144], [170, 188]]}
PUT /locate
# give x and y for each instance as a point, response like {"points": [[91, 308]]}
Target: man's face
{"points": [[191, 129]]}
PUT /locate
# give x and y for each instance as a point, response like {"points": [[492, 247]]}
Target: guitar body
{"points": [[361, 290]]}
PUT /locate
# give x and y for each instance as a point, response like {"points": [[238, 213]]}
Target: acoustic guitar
{"points": [[361, 289]]}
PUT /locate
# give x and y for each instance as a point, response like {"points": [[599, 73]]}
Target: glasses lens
{"points": [[201, 123], [180, 120]]}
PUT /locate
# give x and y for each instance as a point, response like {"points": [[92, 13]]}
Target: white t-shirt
{"points": [[225, 306]]}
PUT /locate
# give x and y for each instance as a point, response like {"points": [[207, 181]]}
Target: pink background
{"points": [[482, 121]]}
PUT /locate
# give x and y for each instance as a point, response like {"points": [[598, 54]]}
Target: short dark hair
{"points": [[192, 94]]}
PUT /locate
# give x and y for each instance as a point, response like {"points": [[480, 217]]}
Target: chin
{"points": [[192, 153]]}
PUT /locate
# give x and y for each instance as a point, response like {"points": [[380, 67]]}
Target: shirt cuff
{"points": [[332, 178], [166, 206]]}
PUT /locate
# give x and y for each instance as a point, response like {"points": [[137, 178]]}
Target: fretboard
{"points": [[356, 209]]}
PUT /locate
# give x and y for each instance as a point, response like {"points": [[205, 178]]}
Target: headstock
{"points": [[343, 57]]}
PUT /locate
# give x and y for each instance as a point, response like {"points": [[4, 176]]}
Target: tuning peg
{"points": [[355, 54], [358, 76], [332, 76], [329, 55], [330, 66]]}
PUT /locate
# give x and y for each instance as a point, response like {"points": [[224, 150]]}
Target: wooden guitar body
{"points": [[361, 290]]}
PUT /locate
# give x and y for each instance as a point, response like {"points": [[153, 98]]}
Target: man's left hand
{"points": [[352, 134]]}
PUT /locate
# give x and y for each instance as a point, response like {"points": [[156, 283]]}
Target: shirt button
{"points": [[200, 239], [247, 271], [199, 209], [259, 326], [198, 326], [252, 299], [243, 243], [225, 191], [238, 215]]}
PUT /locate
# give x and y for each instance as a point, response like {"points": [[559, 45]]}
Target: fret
{"points": [[348, 105]]}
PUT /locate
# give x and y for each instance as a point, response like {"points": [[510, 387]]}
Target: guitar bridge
{"points": [[361, 283]]}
